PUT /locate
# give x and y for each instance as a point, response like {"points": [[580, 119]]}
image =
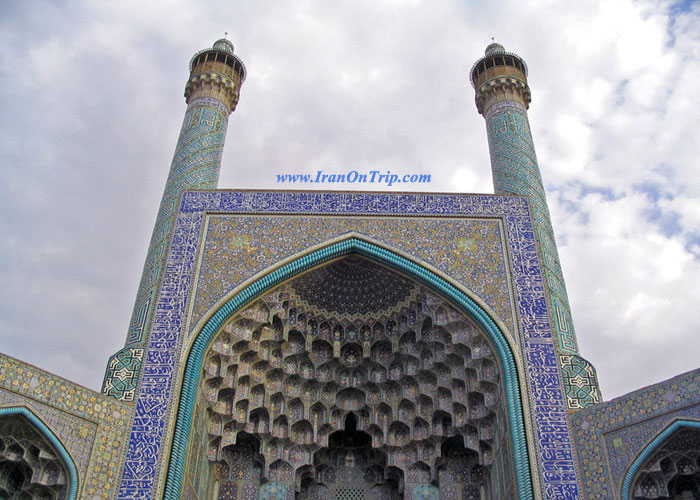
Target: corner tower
{"points": [[211, 94], [503, 96]]}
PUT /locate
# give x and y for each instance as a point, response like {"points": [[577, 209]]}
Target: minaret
{"points": [[503, 97], [211, 94]]}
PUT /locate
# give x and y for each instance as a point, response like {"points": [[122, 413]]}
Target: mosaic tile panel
{"points": [[195, 165], [122, 374], [228, 491], [471, 251], [425, 491], [515, 171], [610, 435], [580, 381], [346, 202], [81, 433], [91, 426], [548, 406], [273, 490], [461, 476]]}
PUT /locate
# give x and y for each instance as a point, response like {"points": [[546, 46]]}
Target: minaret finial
{"points": [[225, 34]]}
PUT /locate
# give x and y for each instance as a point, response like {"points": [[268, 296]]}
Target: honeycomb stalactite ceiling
{"points": [[349, 468], [352, 285], [673, 471], [291, 367], [29, 466]]}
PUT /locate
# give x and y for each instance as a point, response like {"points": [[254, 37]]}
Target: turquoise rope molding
{"points": [[193, 368], [51, 437], [648, 450]]}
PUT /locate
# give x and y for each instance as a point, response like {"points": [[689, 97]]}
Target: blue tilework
{"points": [[195, 165], [155, 402], [425, 491], [322, 202], [515, 171], [610, 436], [470, 250], [273, 490], [649, 449]]}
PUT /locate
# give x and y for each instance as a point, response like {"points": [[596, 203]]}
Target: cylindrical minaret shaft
{"points": [[503, 97], [211, 93]]}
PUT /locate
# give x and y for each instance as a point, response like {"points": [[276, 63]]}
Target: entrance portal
{"points": [[353, 381]]}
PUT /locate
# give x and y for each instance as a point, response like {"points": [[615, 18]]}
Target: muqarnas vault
{"points": [[342, 345]]}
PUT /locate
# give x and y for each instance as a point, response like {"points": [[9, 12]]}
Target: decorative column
{"points": [[211, 93], [503, 97]]}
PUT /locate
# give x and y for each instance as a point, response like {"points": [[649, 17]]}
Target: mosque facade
{"points": [[350, 346]]}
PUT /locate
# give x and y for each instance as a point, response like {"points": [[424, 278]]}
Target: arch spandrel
{"points": [[493, 296], [471, 251], [313, 336]]}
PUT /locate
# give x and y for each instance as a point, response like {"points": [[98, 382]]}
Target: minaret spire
{"points": [[503, 97], [211, 94]]}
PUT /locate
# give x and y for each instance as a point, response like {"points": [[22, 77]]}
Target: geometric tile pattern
{"points": [[580, 381], [92, 427], [515, 171], [196, 165], [352, 286], [470, 251], [461, 475], [425, 491], [122, 374], [68, 429], [273, 491], [155, 402], [212, 92], [610, 436]]}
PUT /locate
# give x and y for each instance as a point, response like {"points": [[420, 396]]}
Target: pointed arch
{"points": [[320, 256], [649, 449], [47, 433]]}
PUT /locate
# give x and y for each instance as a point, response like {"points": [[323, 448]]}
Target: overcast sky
{"points": [[91, 100]]}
